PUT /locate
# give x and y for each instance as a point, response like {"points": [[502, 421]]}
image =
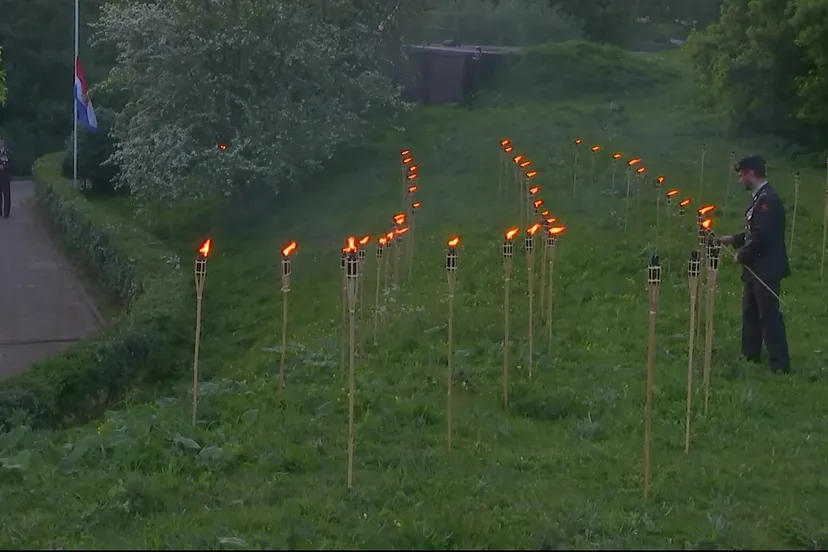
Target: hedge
{"points": [[145, 343]]}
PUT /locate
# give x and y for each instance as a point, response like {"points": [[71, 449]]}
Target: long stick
{"points": [[506, 285], [627, 201], [544, 256], [195, 356], [694, 289], [760, 280], [75, 102], [450, 376], [361, 289], [284, 340], [342, 324], [793, 218], [351, 388], [531, 277], [708, 339], [377, 296], [648, 408]]}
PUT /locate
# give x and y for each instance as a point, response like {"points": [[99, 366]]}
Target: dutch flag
{"points": [[86, 114]]}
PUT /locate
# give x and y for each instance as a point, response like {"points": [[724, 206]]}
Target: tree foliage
{"points": [[764, 64], [229, 95]]}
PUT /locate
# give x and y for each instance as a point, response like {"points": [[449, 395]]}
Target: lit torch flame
{"points": [[534, 189], [407, 160], [508, 149], [402, 231], [531, 174], [510, 234], [525, 164], [505, 142], [551, 221], [545, 213], [454, 242], [517, 159], [537, 203], [595, 149], [352, 245], [685, 202], [389, 236], [289, 248], [412, 189], [578, 141], [660, 180], [412, 176], [532, 229], [204, 250], [382, 240], [222, 147], [672, 193], [399, 218], [634, 161], [640, 170], [706, 209], [707, 224], [616, 155], [413, 168], [405, 152], [416, 205], [365, 240], [556, 230]]}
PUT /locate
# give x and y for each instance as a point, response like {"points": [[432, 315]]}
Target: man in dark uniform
{"points": [[761, 248], [5, 180]]}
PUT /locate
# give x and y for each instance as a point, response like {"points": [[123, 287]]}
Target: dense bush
{"points": [[143, 344], [94, 149], [572, 69]]}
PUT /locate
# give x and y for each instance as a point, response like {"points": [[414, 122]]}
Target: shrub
{"points": [[142, 345], [94, 149]]}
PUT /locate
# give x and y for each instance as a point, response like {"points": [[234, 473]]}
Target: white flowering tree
{"points": [[228, 95]]}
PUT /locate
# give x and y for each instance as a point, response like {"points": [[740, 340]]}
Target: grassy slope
{"points": [[562, 468]]}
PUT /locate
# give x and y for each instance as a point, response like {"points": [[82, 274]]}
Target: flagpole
{"points": [[75, 102]]}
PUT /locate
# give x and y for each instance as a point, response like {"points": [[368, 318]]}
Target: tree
{"points": [[600, 20], [278, 84]]}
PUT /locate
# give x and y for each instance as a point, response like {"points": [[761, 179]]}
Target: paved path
{"points": [[43, 307]]}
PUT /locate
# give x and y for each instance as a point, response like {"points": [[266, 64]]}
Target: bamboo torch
{"points": [[653, 285], [713, 254], [546, 224], [630, 164], [399, 221], [501, 180], [390, 237], [578, 143], [352, 274], [405, 160], [693, 278], [704, 225], [594, 151], [552, 245], [659, 183], [639, 173], [414, 208], [409, 216], [508, 254], [381, 242], [451, 274], [363, 243], [200, 274], [615, 157], [793, 218], [824, 224], [286, 253], [669, 197], [529, 243]]}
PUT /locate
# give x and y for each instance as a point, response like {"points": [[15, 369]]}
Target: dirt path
{"points": [[43, 307]]}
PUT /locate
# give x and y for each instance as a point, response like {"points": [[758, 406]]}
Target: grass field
{"points": [[562, 468]]}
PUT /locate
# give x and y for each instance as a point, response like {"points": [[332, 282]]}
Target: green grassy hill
{"points": [[561, 468]]}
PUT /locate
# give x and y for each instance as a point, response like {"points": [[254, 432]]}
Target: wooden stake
{"points": [[653, 284], [285, 291], [552, 245], [380, 250], [200, 272], [793, 218], [451, 275], [343, 322], [508, 252], [352, 275], [693, 278], [530, 261], [713, 254]]}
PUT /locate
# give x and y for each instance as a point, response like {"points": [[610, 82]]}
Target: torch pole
{"points": [[627, 201], [693, 277], [552, 246], [200, 273], [451, 276], [793, 218], [411, 245], [380, 248], [712, 270], [343, 322], [614, 169], [544, 257], [508, 249], [824, 224], [530, 262], [285, 292], [654, 280], [352, 277]]}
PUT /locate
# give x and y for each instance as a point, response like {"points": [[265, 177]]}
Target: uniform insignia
{"points": [[764, 208]]}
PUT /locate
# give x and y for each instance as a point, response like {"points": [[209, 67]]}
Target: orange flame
{"points": [[578, 141], [407, 160], [634, 161], [382, 240], [525, 164], [352, 245], [390, 235], [412, 176], [454, 242], [707, 224], [551, 220], [531, 174], [402, 231], [537, 203], [660, 180], [595, 149], [545, 213], [672, 193], [222, 147], [399, 218], [555, 230], [534, 189], [405, 152], [532, 229], [511, 233], [685, 202], [204, 250], [416, 205], [505, 142], [508, 149], [413, 168], [517, 158], [289, 248], [412, 189], [616, 155], [365, 240], [640, 170], [706, 209]]}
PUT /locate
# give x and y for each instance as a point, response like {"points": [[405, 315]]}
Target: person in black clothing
{"points": [[5, 180], [761, 248]]}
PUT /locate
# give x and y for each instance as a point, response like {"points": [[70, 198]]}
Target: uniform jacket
{"points": [[5, 166], [762, 245]]}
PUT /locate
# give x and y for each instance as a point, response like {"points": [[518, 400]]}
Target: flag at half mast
{"points": [[86, 113]]}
